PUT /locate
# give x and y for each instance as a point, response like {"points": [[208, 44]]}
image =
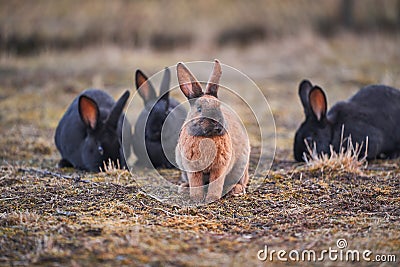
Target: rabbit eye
{"points": [[199, 109], [100, 149]]}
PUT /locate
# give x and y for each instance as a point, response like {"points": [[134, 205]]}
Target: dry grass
{"points": [[110, 167], [113, 173], [347, 160], [72, 24], [103, 223], [18, 218]]}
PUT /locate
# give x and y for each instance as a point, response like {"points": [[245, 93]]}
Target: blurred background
{"points": [[52, 50], [32, 27]]}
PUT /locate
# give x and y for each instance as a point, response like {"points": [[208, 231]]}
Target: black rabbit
{"points": [[90, 132], [373, 112], [152, 124]]}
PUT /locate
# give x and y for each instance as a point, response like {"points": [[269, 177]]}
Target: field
{"points": [[63, 217]]}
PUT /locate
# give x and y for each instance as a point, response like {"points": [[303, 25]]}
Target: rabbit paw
{"points": [[238, 190], [183, 188], [196, 195]]}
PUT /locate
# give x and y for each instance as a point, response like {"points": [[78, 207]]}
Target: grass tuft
{"points": [[112, 172], [110, 167], [347, 160]]}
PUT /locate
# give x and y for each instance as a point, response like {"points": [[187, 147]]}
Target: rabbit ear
{"points": [[144, 87], [318, 102], [89, 111], [213, 82], [164, 88], [189, 85], [304, 91], [117, 109]]}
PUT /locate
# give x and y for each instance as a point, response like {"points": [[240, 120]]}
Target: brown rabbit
{"points": [[213, 146]]}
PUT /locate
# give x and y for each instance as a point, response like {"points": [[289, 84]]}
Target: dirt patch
{"points": [[48, 219]]}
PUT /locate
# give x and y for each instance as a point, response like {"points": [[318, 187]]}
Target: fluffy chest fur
{"points": [[205, 154]]}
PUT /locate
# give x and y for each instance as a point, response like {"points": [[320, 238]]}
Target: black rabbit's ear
{"points": [[117, 109], [318, 102], [189, 85], [89, 111], [304, 91], [144, 87], [164, 88], [213, 81]]}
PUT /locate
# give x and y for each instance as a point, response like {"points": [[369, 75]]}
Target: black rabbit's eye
{"points": [[100, 149], [199, 109]]}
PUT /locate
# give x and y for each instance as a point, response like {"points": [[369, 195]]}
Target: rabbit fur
{"points": [[213, 147], [373, 112], [90, 131], [154, 134]]}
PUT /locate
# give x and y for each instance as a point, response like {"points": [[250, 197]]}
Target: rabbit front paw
{"points": [[196, 194], [183, 188], [238, 190]]}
